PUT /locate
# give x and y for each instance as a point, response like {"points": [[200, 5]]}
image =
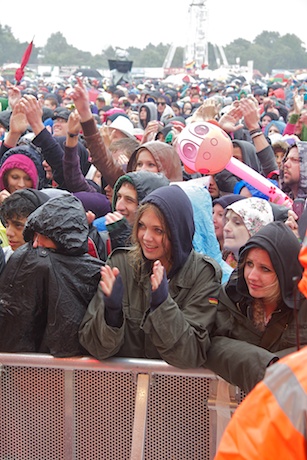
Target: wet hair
{"points": [[16, 206]]}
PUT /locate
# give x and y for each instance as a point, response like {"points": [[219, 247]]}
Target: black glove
{"points": [[113, 304], [160, 294]]}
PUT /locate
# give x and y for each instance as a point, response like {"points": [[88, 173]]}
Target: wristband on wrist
{"points": [[256, 135], [254, 131], [72, 134]]}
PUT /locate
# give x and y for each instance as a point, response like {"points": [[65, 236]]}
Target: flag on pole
{"points": [[25, 58]]}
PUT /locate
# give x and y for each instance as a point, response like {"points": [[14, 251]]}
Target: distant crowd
{"points": [[120, 237]]}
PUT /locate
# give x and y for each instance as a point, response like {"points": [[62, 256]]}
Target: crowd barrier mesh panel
{"points": [[86, 411], [103, 415], [178, 419], [32, 414]]}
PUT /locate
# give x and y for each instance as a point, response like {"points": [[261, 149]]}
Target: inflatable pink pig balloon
{"points": [[206, 148]]}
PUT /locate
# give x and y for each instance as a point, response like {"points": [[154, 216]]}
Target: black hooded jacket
{"points": [[283, 248], [240, 352], [44, 292]]}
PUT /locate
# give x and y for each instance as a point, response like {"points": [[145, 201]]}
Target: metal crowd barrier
{"points": [[81, 408]]}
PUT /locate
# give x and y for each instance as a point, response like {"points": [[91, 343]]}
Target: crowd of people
{"points": [[112, 246]]}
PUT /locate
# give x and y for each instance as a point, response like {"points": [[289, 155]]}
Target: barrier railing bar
{"points": [[69, 416], [140, 417], [112, 364]]}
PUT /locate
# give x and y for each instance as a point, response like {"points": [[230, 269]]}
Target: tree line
{"points": [[268, 51]]}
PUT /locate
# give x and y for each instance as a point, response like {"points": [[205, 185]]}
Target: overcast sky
{"points": [[93, 26]]}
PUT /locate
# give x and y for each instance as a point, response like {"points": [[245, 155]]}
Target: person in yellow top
{"points": [[4, 241]]}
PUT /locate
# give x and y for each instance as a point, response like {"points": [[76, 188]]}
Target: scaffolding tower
{"points": [[196, 49]]}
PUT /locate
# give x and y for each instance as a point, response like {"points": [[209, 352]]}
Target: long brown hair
{"points": [[136, 256]]}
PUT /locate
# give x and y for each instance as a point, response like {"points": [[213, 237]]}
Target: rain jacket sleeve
{"points": [[239, 363], [73, 176], [180, 330], [52, 153], [120, 233], [101, 157], [177, 331]]}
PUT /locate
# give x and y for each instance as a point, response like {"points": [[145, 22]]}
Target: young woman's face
{"points": [[18, 179], [259, 274], [145, 161], [235, 232], [265, 121], [153, 238]]}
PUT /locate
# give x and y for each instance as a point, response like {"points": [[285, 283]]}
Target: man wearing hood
{"points": [[293, 172], [47, 283], [129, 190], [157, 299]]}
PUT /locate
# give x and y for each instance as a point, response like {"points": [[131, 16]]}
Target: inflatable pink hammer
{"points": [[206, 148]]}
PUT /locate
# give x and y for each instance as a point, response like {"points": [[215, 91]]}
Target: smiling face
{"points": [[60, 127], [260, 276], [235, 232], [127, 201], [153, 238]]}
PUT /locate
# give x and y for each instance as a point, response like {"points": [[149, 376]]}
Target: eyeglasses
{"points": [[161, 103]]}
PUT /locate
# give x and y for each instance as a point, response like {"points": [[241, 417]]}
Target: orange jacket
{"points": [[302, 285], [271, 422]]}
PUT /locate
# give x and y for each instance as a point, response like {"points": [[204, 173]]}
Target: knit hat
{"points": [[29, 150], [21, 162], [280, 125], [255, 212]]}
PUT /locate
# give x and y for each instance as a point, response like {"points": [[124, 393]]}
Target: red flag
{"points": [[25, 58]]}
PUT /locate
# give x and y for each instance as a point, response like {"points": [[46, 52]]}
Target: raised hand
{"points": [[157, 275], [80, 96], [33, 111], [108, 277]]}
